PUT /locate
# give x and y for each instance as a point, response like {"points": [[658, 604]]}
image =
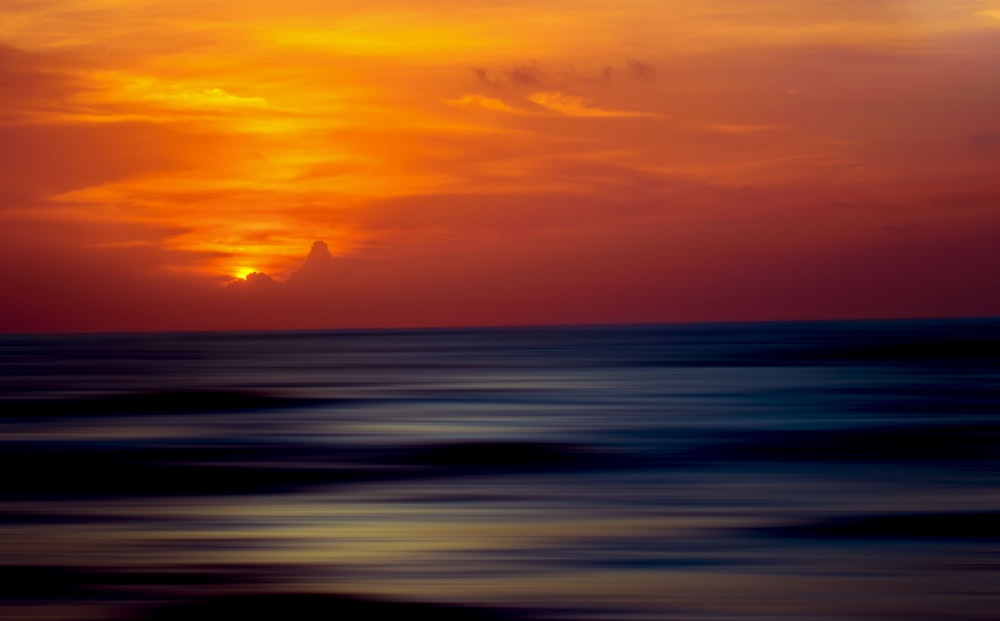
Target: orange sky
{"points": [[496, 162]]}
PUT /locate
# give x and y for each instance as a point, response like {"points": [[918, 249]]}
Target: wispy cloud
{"points": [[176, 94], [571, 105], [481, 102]]}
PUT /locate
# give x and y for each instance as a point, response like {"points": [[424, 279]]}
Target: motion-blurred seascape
{"points": [[826, 471]]}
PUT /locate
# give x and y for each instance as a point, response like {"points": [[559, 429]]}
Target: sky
{"points": [[498, 162]]}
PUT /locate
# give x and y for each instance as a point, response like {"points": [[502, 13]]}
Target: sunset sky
{"points": [[495, 162]]}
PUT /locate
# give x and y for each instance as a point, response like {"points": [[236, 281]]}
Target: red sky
{"points": [[501, 162]]}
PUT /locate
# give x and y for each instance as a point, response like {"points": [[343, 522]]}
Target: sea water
{"points": [[827, 471]]}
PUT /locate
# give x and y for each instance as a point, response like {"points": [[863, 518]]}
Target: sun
{"points": [[243, 272]]}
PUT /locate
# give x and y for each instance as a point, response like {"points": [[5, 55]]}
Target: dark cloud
{"points": [[534, 76], [318, 265], [483, 75], [638, 69], [315, 271], [525, 75], [516, 76], [254, 281]]}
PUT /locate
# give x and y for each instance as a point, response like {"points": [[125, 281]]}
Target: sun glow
{"points": [[241, 273]]}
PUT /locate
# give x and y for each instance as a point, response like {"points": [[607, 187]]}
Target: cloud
{"points": [[317, 268], [482, 102], [525, 75], [638, 69], [517, 75], [254, 281], [551, 77], [578, 106], [174, 95], [551, 101]]}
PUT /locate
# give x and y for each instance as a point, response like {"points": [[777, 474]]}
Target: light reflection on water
{"points": [[784, 471]]}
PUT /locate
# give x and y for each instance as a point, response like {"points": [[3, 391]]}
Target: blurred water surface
{"points": [[820, 471]]}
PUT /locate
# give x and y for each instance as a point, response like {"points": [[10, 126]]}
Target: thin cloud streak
{"points": [[578, 106]]}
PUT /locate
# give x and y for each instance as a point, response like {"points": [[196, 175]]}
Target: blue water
{"points": [[783, 471]]}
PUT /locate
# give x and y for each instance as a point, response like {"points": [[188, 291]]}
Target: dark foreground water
{"points": [[811, 471]]}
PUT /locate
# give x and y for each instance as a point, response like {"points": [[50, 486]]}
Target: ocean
{"points": [[820, 471]]}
